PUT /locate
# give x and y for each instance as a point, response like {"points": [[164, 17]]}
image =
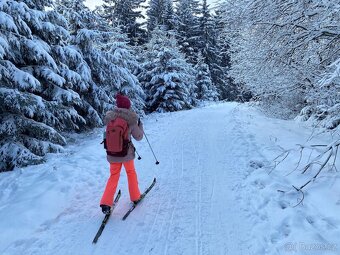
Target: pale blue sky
{"points": [[92, 3]]}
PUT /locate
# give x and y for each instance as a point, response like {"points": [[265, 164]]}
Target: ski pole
{"points": [[139, 157], [157, 162]]}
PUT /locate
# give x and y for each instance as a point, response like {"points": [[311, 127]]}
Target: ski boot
{"points": [[106, 209]]}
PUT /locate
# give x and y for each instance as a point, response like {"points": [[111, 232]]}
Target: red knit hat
{"points": [[123, 101]]}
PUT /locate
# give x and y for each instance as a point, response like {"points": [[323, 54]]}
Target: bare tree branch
{"points": [[303, 195]]}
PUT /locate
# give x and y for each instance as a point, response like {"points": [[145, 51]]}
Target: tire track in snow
{"points": [[173, 210], [151, 229], [199, 201], [165, 184]]}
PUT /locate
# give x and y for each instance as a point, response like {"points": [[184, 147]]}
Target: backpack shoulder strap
{"points": [[122, 123]]}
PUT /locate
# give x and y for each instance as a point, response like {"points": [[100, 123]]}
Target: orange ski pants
{"points": [[112, 182]]}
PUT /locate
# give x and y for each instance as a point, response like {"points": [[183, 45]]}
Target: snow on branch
{"points": [[20, 79], [7, 22], [333, 75]]}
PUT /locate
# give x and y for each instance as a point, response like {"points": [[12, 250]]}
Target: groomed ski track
{"points": [[195, 208]]}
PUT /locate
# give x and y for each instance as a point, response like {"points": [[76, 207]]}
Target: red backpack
{"points": [[117, 138]]}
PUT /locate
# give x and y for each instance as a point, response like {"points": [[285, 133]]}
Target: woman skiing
{"points": [[123, 114]]}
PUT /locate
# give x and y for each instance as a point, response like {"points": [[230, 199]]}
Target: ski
{"points": [[107, 216], [141, 198]]}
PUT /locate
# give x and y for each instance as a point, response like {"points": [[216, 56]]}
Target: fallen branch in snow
{"points": [[317, 125], [301, 152], [322, 154], [326, 154], [284, 155], [303, 195], [333, 150], [316, 159], [336, 153]]}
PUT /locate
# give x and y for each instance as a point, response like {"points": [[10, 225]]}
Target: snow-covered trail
{"points": [[200, 204]]}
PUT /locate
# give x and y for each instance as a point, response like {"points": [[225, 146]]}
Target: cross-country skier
{"points": [[122, 123]]}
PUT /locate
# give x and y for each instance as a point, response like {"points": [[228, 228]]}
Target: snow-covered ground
{"points": [[216, 192]]}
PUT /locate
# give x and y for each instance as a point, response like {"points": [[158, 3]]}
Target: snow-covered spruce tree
{"points": [[166, 76], [187, 28], [122, 55], [82, 25], [218, 55], [38, 4], [107, 53], [207, 38], [41, 93], [205, 89], [160, 13], [125, 14], [122, 64]]}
